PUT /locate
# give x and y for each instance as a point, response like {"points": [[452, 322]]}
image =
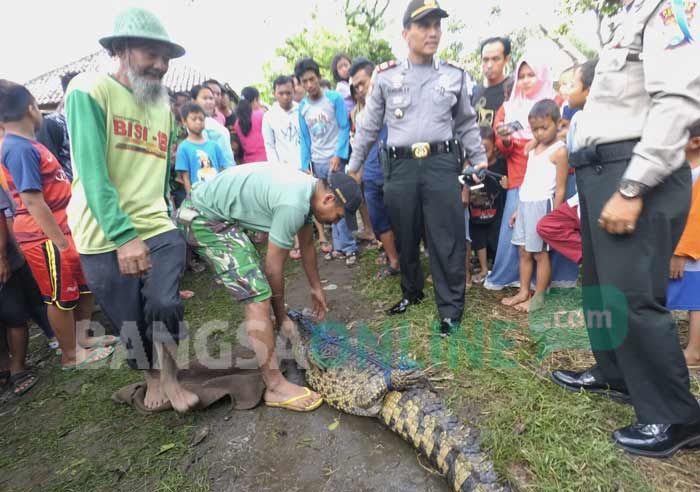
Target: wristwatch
{"points": [[632, 189]]}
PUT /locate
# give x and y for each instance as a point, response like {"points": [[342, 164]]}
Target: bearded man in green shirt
{"points": [[132, 255]]}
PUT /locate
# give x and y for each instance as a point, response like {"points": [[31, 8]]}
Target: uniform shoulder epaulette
{"points": [[382, 67], [453, 64]]}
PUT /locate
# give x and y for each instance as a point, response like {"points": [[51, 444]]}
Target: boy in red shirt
{"points": [[41, 191]]}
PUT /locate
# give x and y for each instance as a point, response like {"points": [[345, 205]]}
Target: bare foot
{"points": [[518, 298], [182, 400], [285, 390], [154, 397]]}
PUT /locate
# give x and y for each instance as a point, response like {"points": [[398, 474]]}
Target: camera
{"points": [[467, 176]]}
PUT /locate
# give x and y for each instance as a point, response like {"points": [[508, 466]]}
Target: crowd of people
{"points": [[125, 186]]}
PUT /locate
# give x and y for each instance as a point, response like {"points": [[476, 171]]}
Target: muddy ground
{"points": [[270, 450]]}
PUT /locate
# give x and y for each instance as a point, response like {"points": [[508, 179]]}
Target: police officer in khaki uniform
{"points": [[426, 105], [634, 188]]}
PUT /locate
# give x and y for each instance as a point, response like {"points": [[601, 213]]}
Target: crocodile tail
{"points": [[420, 417]]}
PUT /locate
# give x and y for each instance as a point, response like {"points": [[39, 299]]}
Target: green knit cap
{"points": [[139, 23]]}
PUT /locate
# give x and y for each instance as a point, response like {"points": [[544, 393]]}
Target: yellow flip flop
{"points": [[287, 404]]}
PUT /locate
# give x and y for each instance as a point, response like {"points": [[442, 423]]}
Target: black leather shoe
{"points": [[657, 440], [448, 326], [586, 381], [402, 306]]}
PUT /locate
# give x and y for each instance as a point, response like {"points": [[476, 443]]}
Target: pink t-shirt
{"points": [[253, 144], [219, 116]]}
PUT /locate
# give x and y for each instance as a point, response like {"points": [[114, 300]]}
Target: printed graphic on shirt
{"points": [[206, 172], [679, 21], [484, 115], [137, 138], [319, 124], [291, 134]]}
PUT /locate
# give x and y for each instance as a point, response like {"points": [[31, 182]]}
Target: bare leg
{"points": [[83, 316], [63, 325], [468, 268], [260, 332], [181, 399], [17, 340], [321, 232], [389, 242], [544, 275], [367, 232], [692, 351], [483, 265], [526, 267]]}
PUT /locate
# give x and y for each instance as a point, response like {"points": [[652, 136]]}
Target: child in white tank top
{"points": [[543, 189]]}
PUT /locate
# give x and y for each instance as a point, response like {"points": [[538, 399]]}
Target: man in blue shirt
{"points": [[325, 136]]}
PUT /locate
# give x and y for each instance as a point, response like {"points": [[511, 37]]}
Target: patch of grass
{"points": [[67, 435], [539, 436]]}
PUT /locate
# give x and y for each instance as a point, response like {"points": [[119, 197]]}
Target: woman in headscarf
{"points": [[533, 83]]}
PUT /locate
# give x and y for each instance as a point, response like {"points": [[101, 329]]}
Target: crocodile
{"points": [[356, 378]]}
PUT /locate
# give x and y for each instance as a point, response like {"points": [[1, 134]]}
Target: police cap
{"points": [[420, 9]]}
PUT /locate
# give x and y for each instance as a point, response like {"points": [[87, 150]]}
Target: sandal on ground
{"points": [[334, 255], [289, 404], [351, 259], [23, 382], [295, 254], [387, 271], [365, 236], [104, 341], [98, 355], [325, 247]]}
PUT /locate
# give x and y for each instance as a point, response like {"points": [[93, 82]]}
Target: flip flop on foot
{"points": [[103, 341], [23, 382], [97, 354], [289, 404]]}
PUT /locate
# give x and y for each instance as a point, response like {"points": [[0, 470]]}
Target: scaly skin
{"points": [[353, 378]]}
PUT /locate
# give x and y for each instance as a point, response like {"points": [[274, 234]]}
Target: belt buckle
{"points": [[420, 150]]}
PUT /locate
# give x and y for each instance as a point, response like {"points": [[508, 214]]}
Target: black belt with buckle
{"points": [[423, 149]]}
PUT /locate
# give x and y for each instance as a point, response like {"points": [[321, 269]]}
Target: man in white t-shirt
{"points": [[281, 125]]}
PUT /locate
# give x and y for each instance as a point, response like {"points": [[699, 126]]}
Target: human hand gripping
{"points": [[335, 164], [134, 258]]}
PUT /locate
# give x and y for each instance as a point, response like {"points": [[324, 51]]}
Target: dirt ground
{"points": [[270, 450]]}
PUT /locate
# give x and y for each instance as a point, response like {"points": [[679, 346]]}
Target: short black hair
{"points": [[182, 94], [305, 65], [282, 80], [695, 129], [505, 41], [66, 78], [487, 133], [546, 108], [197, 89], [587, 70], [190, 107], [325, 83], [15, 100], [361, 63], [212, 81]]}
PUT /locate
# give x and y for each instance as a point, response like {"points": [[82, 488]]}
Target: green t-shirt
{"points": [[263, 197], [120, 153]]}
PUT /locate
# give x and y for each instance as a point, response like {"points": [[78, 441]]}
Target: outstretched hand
{"points": [[319, 305]]}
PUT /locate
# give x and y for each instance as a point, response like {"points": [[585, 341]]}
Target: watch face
{"points": [[630, 190]]}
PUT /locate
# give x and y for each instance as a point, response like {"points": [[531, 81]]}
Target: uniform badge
{"points": [[678, 16], [398, 113], [397, 81]]}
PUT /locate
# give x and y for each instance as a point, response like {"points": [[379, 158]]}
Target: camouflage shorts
{"points": [[228, 251]]}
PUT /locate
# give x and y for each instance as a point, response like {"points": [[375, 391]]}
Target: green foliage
{"points": [[364, 20]]}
